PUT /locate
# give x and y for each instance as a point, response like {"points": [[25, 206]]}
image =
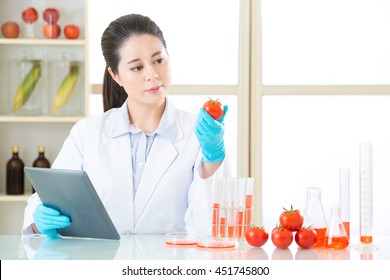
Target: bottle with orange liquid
{"points": [[314, 215], [336, 236]]}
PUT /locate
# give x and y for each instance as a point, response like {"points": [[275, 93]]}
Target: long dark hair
{"points": [[119, 31]]}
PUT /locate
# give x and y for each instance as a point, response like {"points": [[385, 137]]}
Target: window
{"points": [[322, 88]]}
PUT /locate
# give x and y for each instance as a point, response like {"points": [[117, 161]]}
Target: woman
{"points": [[153, 166]]}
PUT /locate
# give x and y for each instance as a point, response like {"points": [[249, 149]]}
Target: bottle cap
{"points": [[15, 149], [41, 149]]}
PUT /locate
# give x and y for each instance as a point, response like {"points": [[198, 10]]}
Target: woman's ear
{"points": [[113, 76]]}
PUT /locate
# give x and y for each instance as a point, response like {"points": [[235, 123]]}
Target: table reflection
{"points": [[153, 247]]}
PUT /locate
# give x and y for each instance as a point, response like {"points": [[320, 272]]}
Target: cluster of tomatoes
{"points": [[51, 28], [282, 235]]}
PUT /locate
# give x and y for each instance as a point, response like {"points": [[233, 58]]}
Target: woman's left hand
{"points": [[210, 133]]}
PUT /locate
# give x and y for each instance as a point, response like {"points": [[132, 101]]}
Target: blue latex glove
{"points": [[48, 220], [210, 135]]}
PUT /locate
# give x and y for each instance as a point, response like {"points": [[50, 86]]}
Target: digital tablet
{"points": [[72, 193]]}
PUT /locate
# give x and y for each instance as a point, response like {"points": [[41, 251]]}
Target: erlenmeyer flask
{"points": [[336, 236], [314, 215]]}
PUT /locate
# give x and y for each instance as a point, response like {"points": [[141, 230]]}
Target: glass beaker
{"points": [[314, 215], [344, 199], [336, 236]]}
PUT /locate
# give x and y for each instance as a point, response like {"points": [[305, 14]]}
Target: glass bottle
{"points": [[65, 74], [41, 161], [25, 92], [15, 173], [314, 215], [336, 236]]}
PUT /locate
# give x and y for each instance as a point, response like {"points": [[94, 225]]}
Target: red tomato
{"points": [[10, 29], [281, 237], [256, 236], [71, 31], [214, 108], [52, 31], [291, 219], [51, 15], [306, 237], [30, 15]]}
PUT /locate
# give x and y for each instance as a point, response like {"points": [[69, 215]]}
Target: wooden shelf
{"points": [[53, 42], [14, 198], [40, 119]]}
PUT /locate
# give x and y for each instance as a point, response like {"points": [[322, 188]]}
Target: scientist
{"points": [[152, 165]]}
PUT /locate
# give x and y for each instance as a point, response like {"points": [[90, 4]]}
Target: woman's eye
{"points": [[136, 69], [159, 61]]}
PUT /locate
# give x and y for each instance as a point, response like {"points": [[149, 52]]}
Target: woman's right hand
{"points": [[48, 220]]}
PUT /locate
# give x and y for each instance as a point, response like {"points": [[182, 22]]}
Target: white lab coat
{"points": [[170, 197]]}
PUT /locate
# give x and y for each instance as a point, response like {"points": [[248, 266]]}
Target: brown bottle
{"points": [[15, 173], [41, 161]]}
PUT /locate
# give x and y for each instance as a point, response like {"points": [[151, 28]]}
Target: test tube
{"points": [[217, 200], [231, 207], [344, 199], [365, 193], [248, 202], [241, 195]]}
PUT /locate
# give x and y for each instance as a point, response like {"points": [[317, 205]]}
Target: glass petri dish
{"points": [[215, 243], [180, 239]]}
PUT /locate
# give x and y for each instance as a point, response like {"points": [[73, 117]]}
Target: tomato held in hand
{"points": [[291, 219], [256, 236], [214, 108], [306, 237], [281, 237]]}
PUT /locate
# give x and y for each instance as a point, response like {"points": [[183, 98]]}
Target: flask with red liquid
{"points": [[336, 236], [314, 215]]}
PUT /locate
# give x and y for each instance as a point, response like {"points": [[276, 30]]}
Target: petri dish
{"points": [[215, 243], [180, 239]]}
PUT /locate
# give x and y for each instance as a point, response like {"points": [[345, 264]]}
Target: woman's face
{"points": [[144, 70]]}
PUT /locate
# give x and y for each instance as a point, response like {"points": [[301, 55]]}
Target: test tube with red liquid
{"points": [[231, 206], [219, 219], [217, 204], [241, 203], [248, 202]]}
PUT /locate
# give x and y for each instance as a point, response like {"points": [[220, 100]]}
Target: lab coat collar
{"points": [[119, 124]]}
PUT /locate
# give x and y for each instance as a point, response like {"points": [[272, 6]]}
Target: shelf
{"points": [[14, 198], [40, 119], [53, 42]]}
